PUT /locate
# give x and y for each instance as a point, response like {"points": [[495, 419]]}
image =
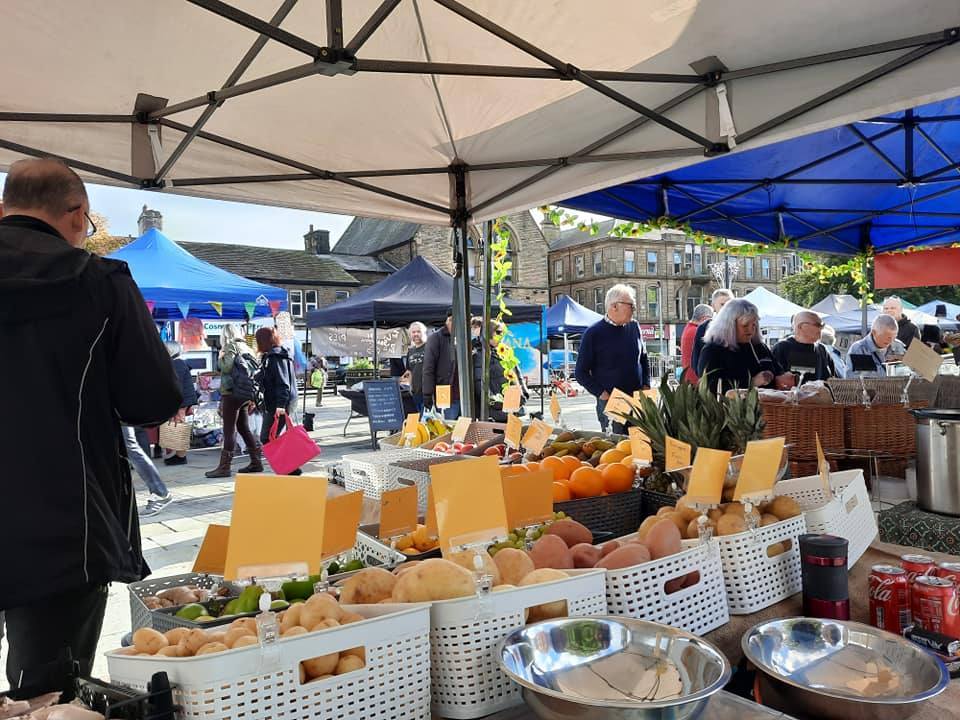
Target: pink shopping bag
{"points": [[291, 450]]}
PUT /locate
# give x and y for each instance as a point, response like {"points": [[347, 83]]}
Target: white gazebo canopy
{"points": [[775, 311]]}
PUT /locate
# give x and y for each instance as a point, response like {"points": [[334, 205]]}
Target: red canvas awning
{"points": [[917, 269]]}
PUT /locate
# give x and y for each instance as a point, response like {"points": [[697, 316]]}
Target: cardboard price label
{"points": [[707, 476], [923, 360], [442, 396], [511, 398], [512, 434], [555, 407], [528, 498], [758, 473], [276, 519], [459, 432], [639, 444], [398, 512], [677, 454], [410, 424], [618, 406], [536, 436], [212, 557], [652, 393], [824, 468], [342, 518], [468, 496]]}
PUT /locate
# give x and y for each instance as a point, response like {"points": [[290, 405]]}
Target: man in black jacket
{"points": [[81, 355], [807, 327], [440, 367], [906, 330]]}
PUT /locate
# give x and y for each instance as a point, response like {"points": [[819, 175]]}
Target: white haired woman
{"points": [[734, 355], [413, 363]]}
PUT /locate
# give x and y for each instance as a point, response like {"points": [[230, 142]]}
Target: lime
{"points": [[333, 569], [353, 565], [279, 605], [204, 619], [191, 611]]}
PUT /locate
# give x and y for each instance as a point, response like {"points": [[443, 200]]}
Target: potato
{"points": [[321, 665], [679, 520], [664, 510], [513, 565], [693, 529], [691, 579], [572, 532], [542, 575], [368, 587], [585, 555], [467, 560], [219, 637], [351, 617], [148, 640], [171, 651], [246, 641], [664, 539], [629, 555], [715, 514], [776, 549], [319, 607], [325, 625], [434, 579], [768, 519], [683, 507], [646, 525], [213, 647], [347, 663], [249, 623], [784, 507], [291, 616], [731, 524], [233, 634], [194, 640], [502, 588], [174, 636], [359, 652], [546, 611], [409, 565], [550, 551], [609, 547], [672, 586], [294, 631], [739, 509], [126, 651]]}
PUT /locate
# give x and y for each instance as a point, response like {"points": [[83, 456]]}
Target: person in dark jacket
{"points": [[278, 382], [413, 363], [719, 298], [807, 327], [733, 355], [612, 353], [498, 378], [906, 330], [190, 397], [84, 355], [440, 368]]}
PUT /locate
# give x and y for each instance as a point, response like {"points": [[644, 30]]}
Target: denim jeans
{"points": [[142, 463], [605, 422], [452, 412]]}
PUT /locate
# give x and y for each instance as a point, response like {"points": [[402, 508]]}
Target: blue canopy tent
{"points": [[568, 317], [180, 285], [953, 311]]}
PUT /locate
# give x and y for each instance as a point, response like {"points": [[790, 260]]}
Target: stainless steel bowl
{"points": [[841, 670], [612, 668]]}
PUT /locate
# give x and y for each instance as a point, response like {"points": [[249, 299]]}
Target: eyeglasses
{"points": [[630, 305], [92, 230], [815, 324]]}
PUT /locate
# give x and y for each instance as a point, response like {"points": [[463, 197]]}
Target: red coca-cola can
{"points": [[889, 598], [950, 571], [917, 565], [935, 605]]}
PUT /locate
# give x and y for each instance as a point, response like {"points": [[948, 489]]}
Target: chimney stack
{"points": [[550, 230], [317, 242], [149, 219]]}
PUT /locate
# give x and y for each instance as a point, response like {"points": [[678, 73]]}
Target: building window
{"points": [[784, 267], [598, 262], [511, 257], [629, 261], [748, 268], [556, 298], [651, 262], [578, 265], [342, 295], [765, 265], [558, 269], [580, 297], [677, 262], [688, 256], [652, 307], [694, 298], [311, 296], [698, 260], [598, 300], [712, 259], [678, 304], [296, 303]]}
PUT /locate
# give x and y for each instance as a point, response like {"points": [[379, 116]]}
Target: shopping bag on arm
{"points": [[291, 449]]}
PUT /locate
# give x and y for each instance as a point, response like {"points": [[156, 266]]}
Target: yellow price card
{"points": [[512, 435], [639, 444], [212, 557], [442, 396], [511, 398], [758, 473], [707, 476], [410, 425], [528, 498], [398, 512], [555, 407], [460, 428], [677, 454], [619, 405], [923, 360], [536, 436], [468, 496], [342, 518], [431, 519]]}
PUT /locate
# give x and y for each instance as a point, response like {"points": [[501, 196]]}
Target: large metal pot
{"points": [[938, 460]]}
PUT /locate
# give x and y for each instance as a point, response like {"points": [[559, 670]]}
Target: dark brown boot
{"points": [[256, 460], [223, 469]]}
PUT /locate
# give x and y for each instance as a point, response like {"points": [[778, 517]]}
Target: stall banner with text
{"points": [[468, 496], [758, 472]]}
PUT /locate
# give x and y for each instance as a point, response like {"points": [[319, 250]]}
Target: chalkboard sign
{"points": [[384, 405]]}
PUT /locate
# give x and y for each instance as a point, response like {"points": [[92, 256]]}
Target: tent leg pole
{"points": [[543, 349], [484, 412], [461, 320], [376, 359]]}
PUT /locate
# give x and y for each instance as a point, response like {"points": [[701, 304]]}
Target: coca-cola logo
{"points": [[882, 590]]}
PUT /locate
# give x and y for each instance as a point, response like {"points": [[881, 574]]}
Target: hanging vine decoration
{"points": [[501, 266]]}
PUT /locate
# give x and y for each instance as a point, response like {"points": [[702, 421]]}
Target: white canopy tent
{"points": [[834, 304], [434, 111], [775, 311]]}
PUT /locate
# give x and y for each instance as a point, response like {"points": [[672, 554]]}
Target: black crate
{"points": [[653, 501], [120, 703], [618, 514]]}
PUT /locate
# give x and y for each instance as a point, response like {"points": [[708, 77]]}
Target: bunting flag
{"points": [[184, 308], [150, 306], [275, 307], [218, 306], [251, 308]]}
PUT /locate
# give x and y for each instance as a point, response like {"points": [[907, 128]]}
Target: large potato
{"points": [[245, 641], [550, 551], [434, 579], [194, 640], [291, 617], [645, 526], [176, 634], [664, 539], [234, 634], [347, 663], [513, 565], [546, 611], [148, 640], [467, 559], [683, 507], [213, 647], [368, 587], [585, 555], [321, 665], [572, 532], [319, 607], [629, 555], [731, 524], [784, 507]]}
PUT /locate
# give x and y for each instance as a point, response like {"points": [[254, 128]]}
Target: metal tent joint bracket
{"points": [[716, 149], [951, 35], [152, 184], [712, 79], [570, 72], [335, 61]]}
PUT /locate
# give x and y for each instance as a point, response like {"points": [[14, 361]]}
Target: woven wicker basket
{"points": [[881, 390], [800, 424], [948, 391], [889, 429]]}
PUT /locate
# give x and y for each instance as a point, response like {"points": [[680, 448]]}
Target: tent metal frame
{"points": [[340, 58]]}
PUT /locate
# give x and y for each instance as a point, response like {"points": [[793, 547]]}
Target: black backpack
{"points": [[242, 376]]}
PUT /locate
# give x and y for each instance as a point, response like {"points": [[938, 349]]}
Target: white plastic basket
{"points": [[368, 472], [243, 685], [141, 615], [754, 580], [467, 681], [393, 445], [640, 591], [848, 515], [404, 473]]}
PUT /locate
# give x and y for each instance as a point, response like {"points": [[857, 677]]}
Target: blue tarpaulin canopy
{"points": [[180, 285], [568, 317], [889, 182], [417, 291], [953, 311]]}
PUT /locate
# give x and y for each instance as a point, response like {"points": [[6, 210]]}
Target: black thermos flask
{"points": [[823, 563]]}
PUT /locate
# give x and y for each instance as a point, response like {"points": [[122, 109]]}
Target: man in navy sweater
{"points": [[612, 353]]}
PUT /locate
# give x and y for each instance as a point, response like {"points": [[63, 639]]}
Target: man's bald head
{"points": [[48, 190], [807, 326]]}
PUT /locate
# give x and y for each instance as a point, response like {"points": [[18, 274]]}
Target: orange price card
{"points": [[276, 519], [410, 424], [212, 557], [468, 496], [459, 432], [442, 396], [431, 519], [512, 434], [536, 436], [639, 444], [341, 523], [677, 454], [824, 469], [619, 405], [528, 498], [555, 407], [707, 476], [758, 472], [511, 398], [398, 512]]}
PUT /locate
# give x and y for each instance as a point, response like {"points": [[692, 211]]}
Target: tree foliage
{"points": [[102, 242]]}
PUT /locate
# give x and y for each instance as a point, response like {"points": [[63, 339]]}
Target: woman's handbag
{"points": [[176, 436], [291, 450]]}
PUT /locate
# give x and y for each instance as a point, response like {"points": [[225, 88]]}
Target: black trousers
{"points": [[39, 634]]}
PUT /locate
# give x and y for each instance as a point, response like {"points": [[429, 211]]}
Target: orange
{"points": [[557, 466], [561, 492], [624, 446], [617, 478], [612, 456], [586, 482], [571, 461]]}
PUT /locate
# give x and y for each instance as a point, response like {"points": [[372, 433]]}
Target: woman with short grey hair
{"points": [[734, 355], [828, 338]]}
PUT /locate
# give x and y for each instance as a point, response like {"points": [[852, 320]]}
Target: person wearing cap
{"points": [[440, 368]]}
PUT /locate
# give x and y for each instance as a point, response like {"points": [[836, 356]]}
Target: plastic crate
{"points": [[754, 580], [141, 615], [848, 515], [640, 592], [417, 472], [467, 681], [619, 514], [120, 703], [651, 501], [244, 685], [367, 472]]}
